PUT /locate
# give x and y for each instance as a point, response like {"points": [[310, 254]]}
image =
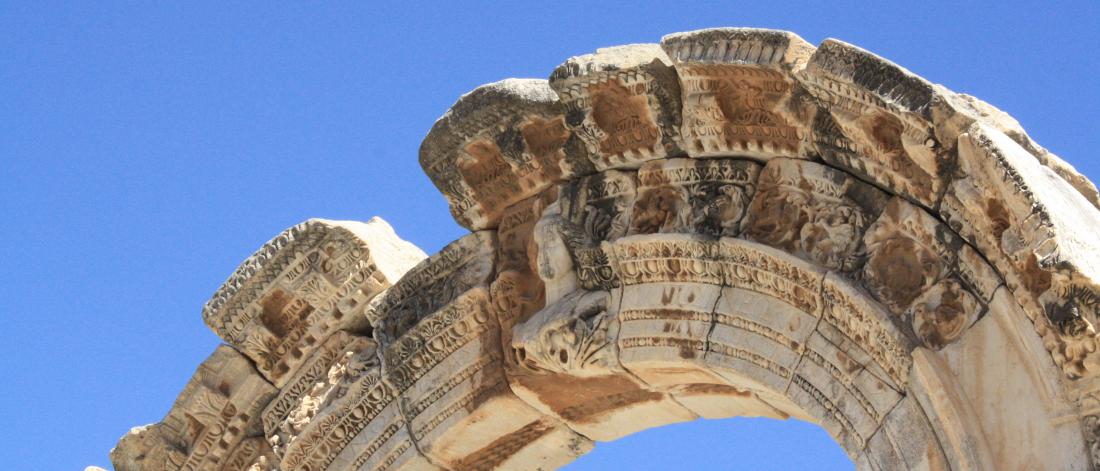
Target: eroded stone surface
{"points": [[738, 94], [304, 284], [733, 223]]}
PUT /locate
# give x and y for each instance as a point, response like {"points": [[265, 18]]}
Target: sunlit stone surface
{"points": [[729, 223]]}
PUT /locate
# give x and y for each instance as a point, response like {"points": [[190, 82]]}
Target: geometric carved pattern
{"points": [[730, 223]]}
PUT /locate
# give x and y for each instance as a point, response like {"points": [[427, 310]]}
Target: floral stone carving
{"points": [[730, 223]]}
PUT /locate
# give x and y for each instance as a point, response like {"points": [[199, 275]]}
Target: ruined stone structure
{"points": [[730, 223]]}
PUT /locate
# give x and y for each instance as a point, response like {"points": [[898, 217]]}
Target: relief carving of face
{"points": [[778, 217], [569, 337], [656, 210], [899, 270], [832, 235]]}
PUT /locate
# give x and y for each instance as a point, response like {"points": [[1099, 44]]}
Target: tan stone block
{"points": [[663, 330], [311, 280], [216, 412], [384, 443], [568, 367], [706, 197], [499, 144], [878, 121], [757, 337], [813, 211], [853, 401], [853, 321], [1030, 236], [462, 265], [629, 98], [712, 398], [907, 441]]}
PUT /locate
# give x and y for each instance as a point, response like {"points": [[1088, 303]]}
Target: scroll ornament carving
{"points": [[825, 185], [357, 358]]}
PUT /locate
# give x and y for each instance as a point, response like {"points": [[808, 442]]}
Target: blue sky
{"points": [[147, 148]]}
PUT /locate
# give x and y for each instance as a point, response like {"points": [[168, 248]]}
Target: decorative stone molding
{"points": [[730, 223]]}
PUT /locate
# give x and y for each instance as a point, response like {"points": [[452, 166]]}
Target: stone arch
{"points": [[732, 222]]}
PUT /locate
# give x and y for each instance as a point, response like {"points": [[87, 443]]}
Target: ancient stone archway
{"points": [[730, 223]]}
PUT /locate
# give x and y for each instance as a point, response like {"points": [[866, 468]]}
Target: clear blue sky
{"points": [[147, 148]]}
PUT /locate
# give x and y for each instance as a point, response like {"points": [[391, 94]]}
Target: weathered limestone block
{"points": [[1001, 121], [848, 244], [623, 102], [706, 197], [211, 424], [311, 280], [497, 145], [813, 211], [596, 209], [517, 290], [315, 385], [462, 265], [1034, 238], [442, 358], [355, 424], [739, 97], [672, 333], [1018, 400], [906, 440], [878, 121], [567, 365], [862, 328]]}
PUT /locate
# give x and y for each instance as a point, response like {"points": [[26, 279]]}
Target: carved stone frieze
{"points": [[814, 211], [462, 265], [217, 413], [739, 97], [596, 209], [707, 197], [1027, 235], [623, 102], [499, 144], [307, 282]]}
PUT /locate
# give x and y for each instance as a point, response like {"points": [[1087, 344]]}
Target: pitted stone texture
{"points": [[211, 424], [567, 366], [1025, 219], [794, 232], [462, 265], [623, 102], [814, 211], [497, 145], [708, 197], [739, 97], [311, 280]]}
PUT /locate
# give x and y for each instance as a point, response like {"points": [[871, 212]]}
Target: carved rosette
{"points": [[731, 223]]}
